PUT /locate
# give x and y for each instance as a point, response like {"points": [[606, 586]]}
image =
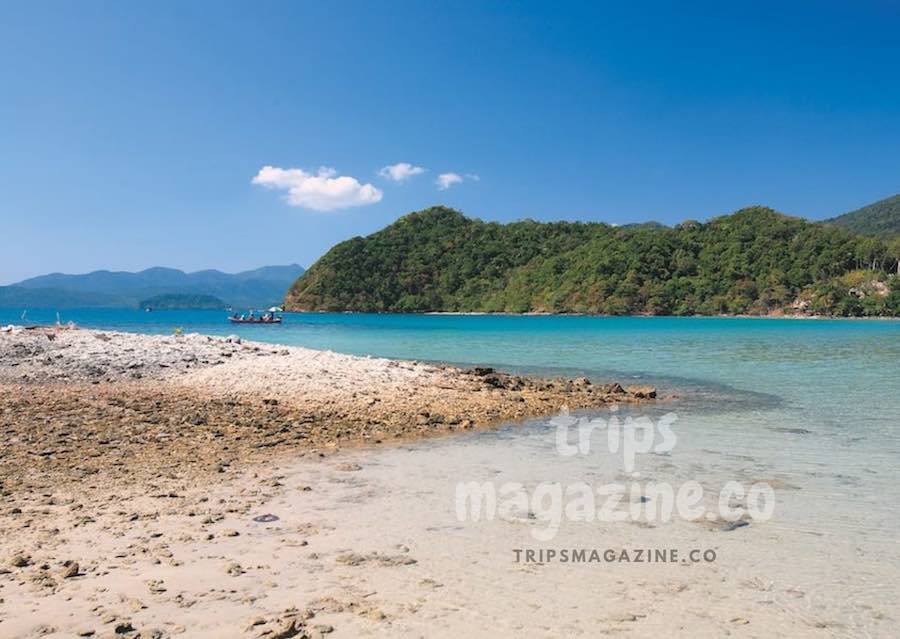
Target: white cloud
{"points": [[446, 180], [324, 191], [401, 171]]}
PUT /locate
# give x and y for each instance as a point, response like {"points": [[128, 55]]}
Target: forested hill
{"points": [[754, 261], [881, 219]]}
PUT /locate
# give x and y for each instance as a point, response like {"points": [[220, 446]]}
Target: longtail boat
{"points": [[255, 320]]}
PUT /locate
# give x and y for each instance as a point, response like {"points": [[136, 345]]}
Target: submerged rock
{"points": [[641, 392]]}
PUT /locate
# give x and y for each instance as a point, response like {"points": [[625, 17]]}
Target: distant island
{"points": [[755, 261], [259, 288], [176, 301]]}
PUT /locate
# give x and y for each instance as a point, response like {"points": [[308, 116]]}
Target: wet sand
{"points": [[365, 543]]}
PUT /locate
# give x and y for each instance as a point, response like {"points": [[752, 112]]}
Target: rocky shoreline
{"points": [[78, 403], [136, 472]]}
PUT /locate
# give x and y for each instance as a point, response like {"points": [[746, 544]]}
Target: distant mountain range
{"points": [[258, 288], [880, 219]]}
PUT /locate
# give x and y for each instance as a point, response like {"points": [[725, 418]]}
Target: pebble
{"points": [[70, 570]]}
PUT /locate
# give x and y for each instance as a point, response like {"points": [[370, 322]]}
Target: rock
{"points": [[355, 559], [231, 533], [235, 570], [20, 561], [265, 519], [288, 629], [283, 626], [734, 525], [350, 559], [70, 570], [123, 627], [156, 586], [625, 616], [233, 339], [641, 392]]}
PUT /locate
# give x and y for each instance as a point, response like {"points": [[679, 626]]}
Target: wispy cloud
{"points": [[401, 171], [446, 180], [324, 191]]}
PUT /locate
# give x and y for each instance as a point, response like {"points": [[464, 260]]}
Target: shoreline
{"points": [[721, 316], [153, 488], [772, 316], [128, 404], [136, 468]]}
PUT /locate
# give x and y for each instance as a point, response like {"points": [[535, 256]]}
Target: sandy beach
{"points": [[195, 486], [132, 463], [169, 486]]}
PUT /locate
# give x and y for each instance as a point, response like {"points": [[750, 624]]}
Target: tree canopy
{"points": [[754, 261], [879, 219]]}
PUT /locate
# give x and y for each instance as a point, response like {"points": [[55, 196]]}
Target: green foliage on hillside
{"points": [[881, 219], [755, 261], [171, 301]]}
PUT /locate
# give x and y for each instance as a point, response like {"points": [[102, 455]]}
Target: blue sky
{"points": [[131, 133]]}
